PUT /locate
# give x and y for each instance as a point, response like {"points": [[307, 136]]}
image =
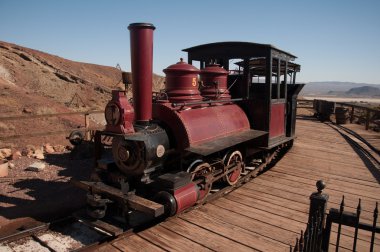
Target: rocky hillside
{"points": [[34, 82]]}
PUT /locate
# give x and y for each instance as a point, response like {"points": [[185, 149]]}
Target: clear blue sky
{"points": [[334, 40]]}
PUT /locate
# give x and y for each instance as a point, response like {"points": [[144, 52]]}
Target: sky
{"points": [[333, 40]]}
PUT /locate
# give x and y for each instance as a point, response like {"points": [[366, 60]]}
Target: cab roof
{"points": [[236, 49]]}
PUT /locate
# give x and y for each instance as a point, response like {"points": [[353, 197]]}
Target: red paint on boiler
{"points": [[277, 120], [200, 124], [210, 123]]}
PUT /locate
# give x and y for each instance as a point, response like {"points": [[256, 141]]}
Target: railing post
{"points": [[367, 118], [87, 125], [352, 114], [318, 205]]}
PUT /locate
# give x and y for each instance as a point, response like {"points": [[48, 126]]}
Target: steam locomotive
{"points": [[208, 127]]}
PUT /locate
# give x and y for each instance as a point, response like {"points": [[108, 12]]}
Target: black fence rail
{"points": [[317, 235]]}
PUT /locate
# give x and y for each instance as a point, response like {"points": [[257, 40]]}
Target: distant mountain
{"points": [[336, 88], [364, 91]]}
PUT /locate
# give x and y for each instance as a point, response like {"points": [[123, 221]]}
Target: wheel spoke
{"points": [[233, 158]]}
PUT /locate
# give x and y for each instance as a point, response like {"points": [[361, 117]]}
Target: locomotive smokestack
{"points": [[142, 70]]}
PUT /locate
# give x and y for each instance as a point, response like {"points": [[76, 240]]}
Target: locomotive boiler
{"points": [[207, 129]]}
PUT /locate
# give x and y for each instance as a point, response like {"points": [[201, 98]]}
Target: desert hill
{"points": [[364, 91], [336, 88], [34, 82]]}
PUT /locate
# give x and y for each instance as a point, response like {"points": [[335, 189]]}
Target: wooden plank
{"points": [[273, 219], [144, 205], [335, 196], [248, 200], [277, 209], [317, 161], [203, 236], [107, 248], [168, 240], [329, 168], [265, 229], [238, 234], [347, 242], [317, 174], [337, 149], [324, 156], [279, 200], [135, 243], [334, 181], [339, 186], [334, 201]]}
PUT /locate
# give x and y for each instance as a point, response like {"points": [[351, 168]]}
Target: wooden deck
{"points": [[268, 213]]}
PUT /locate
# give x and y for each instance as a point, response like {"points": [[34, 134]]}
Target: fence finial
{"points": [[320, 185], [318, 205]]}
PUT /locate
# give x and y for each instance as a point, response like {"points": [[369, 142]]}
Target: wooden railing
{"points": [[368, 112], [87, 129], [361, 112]]}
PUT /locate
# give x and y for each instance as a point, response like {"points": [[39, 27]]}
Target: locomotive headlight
{"points": [[112, 114]]}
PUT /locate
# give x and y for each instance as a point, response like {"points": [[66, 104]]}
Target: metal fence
{"points": [[317, 235]]}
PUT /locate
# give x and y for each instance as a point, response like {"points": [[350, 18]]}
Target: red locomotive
{"points": [[209, 126]]}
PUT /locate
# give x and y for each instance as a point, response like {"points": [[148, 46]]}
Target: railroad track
{"points": [[367, 152], [72, 233], [78, 233]]}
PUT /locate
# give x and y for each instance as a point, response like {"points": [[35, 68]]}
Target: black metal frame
{"points": [[317, 234]]}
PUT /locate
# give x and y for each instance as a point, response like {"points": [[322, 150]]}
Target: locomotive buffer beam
{"points": [[134, 202]]}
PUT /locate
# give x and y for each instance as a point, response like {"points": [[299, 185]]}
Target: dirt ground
{"points": [[30, 196]]}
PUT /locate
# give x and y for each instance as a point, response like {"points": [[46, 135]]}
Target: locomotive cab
{"points": [[264, 78]]}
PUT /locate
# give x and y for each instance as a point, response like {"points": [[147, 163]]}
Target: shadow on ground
{"points": [[49, 199]]}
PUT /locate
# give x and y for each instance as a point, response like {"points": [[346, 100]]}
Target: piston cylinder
{"points": [[182, 82], [141, 35], [178, 200], [214, 83], [186, 196]]}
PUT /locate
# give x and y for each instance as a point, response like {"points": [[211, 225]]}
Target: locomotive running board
{"points": [[219, 144], [134, 202]]}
